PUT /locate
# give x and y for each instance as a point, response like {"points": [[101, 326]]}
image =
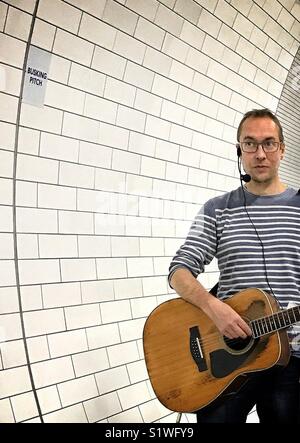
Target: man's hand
{"points": [[229, 322]]}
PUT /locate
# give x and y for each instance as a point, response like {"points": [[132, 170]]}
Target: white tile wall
{"points": [[77, 390], [129, 416], [105, 335], [38, 349], [13, 354], [49, 399], [24, 406], [141, 97], [52, 371], [102, 407], [90, 362], [6, 412], [31, 297], [74, 341], [14, 381], [112, 379], [153, 410], [72, 414], [133, 395]]}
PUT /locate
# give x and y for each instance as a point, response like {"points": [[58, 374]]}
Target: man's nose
{"points": [[260, 153]]}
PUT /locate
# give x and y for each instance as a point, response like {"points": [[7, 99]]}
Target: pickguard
{"points": [[224, 363]]}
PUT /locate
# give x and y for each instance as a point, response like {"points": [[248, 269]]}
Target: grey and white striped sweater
{"points": [[223, 230]]}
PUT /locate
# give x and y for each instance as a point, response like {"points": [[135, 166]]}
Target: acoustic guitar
{"points": [[191, 364]]}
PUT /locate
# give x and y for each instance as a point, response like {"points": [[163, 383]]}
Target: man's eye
{"points": [[269, 144]]}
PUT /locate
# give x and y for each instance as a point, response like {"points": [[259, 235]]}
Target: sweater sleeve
{"points": [[200, 245]]}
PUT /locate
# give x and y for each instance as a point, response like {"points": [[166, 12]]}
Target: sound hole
{"points": [[237, 344]]}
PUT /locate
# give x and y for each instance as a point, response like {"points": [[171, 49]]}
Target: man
{"points": [[254, 233]]}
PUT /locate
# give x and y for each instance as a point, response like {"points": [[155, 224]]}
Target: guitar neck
{"points": [[271, 323]]}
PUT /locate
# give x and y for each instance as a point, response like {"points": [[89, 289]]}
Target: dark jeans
{"points": [[275, 392]]}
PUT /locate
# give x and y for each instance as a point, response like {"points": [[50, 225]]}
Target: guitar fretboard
{"points": [[279, 320]]}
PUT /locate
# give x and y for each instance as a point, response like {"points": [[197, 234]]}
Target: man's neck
{"points": [[266, 188]]}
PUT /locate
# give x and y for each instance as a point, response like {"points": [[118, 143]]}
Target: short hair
{"points": [[260, 113]]}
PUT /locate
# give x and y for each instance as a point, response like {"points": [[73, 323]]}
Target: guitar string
{"points": [[214, 337]]}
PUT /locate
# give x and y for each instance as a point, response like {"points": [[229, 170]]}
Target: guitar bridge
{"points": [[196, 350]]}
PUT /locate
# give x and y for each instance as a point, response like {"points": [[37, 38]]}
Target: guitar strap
{"points": [[214, 289]]}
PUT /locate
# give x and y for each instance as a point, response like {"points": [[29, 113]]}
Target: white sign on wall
{"points": [[36, 76]]}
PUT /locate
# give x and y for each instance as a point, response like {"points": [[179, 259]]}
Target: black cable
{"points": [[16, 258], [258, 236]]}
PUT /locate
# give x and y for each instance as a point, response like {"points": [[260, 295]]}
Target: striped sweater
{"points": [[222, 229]]}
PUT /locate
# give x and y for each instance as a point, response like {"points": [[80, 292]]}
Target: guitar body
{"points": [[186, 377]]}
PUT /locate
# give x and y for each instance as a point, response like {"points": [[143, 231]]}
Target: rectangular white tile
{"points": [[82, 316], [94, 246], [100, 336], [122, 353], [129, 47], [59, 197], [97, 291], [52, 371], [112, 379], [90, 362], [73, 47], [39, 271], [102, 407], [62, 294], [61, 14], [38, 349], [59, 147], [14, 381], [57, 246], [115, 311], [67, 343], [78, 269], [44, 322]]}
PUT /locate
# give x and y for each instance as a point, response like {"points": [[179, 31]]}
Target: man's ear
{"points": [[282, 149]]}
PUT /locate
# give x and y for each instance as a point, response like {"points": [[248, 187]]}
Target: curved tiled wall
{"points": [[98, 187], [288, 112]]}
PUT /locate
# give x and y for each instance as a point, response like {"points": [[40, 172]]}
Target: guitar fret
{"points": [[259, 326], [254, 328], [277, 320], [265, 326], [281, 320], [294, 314], [272, 322], [285, 318]]}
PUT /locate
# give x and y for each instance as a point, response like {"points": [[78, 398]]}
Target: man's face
{"points": [[261, 166]]}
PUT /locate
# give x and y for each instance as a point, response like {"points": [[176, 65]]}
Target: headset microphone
{"points": [[245, 177]]}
